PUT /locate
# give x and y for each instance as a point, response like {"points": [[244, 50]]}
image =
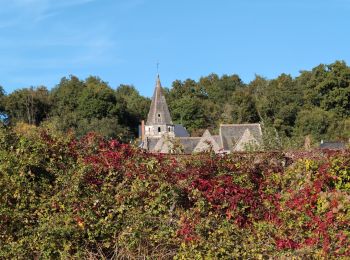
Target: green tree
{"points": [[278, 102], [29, 105], [328, 87], [244, 107], [97, 100], [90, 105], [133, 107], [314, 122], [66, 94], [220, 89], [189, 112]]}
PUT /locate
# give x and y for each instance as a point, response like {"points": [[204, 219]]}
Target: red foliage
{"points": [[186, 230], [286, 244], [240, 188]]}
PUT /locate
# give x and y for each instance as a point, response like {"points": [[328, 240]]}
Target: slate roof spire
{"points": [[159, 112]]}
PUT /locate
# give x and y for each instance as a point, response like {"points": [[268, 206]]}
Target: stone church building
{"points": [[161, 135]]}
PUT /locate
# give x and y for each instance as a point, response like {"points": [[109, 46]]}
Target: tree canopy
{"points": [[316, 103]]}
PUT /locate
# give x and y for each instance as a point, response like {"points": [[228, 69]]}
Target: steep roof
{"points": [[159, 111], [206, 143], [232, 133], [247, 140]]}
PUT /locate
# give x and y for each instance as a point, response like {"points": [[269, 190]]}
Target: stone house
{"points": [[161, 135]]}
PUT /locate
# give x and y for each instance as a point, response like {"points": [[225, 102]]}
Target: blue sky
{"points": [[121, 41]]}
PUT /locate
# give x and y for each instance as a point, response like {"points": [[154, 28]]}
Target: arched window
{"points": [[158, 129]]}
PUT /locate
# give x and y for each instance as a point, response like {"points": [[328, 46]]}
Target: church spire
{"points": [[158, 85], [159, 111]]}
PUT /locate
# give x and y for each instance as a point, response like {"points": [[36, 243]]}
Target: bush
{"points": [[61, 197]]}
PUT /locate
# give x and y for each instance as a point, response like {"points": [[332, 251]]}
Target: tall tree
{"points": [[136, 106], [315, 122], [29, 105], [96, 100], [189, 112]]}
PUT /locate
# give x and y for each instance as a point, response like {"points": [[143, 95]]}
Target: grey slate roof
{"points": [[232, 133], [232, 137], [159, 111], [217, 139], [247, 140], [162, 145], [151, 143], [189, 143], [207, 142], [180, 131], [333, 145]]}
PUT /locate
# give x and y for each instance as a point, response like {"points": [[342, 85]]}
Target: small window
{"points": [[158, 115], [169, 129], [158, 129]]}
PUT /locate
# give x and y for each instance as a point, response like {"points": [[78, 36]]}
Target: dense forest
{"points": [[316, 103]]}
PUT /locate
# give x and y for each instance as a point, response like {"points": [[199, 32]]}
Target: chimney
{"points": [[142, 130]]}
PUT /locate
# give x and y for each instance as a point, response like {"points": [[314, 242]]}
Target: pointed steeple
{"points": [[159, 111]]}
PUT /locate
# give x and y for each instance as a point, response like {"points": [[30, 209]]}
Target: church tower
{"points": [[159, 121]]}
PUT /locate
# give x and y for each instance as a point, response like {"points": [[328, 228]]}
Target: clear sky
{"points": [[121, 41]]}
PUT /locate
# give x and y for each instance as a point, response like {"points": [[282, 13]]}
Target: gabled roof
{"points": [[246, 140], [233, 137], [206, 143], [167, 144], [232, 133], [159, 111]]}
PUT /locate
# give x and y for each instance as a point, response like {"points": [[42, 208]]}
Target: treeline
{"points": [[316, 104], [81, 106]]}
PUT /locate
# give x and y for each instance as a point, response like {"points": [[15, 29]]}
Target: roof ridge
{"points": [[239, 124]]}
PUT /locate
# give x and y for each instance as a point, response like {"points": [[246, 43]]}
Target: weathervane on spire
{"points": [[158, 67]]}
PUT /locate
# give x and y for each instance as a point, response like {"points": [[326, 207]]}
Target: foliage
{"points": [[316, 103], [61, 197], [29, 105]]}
